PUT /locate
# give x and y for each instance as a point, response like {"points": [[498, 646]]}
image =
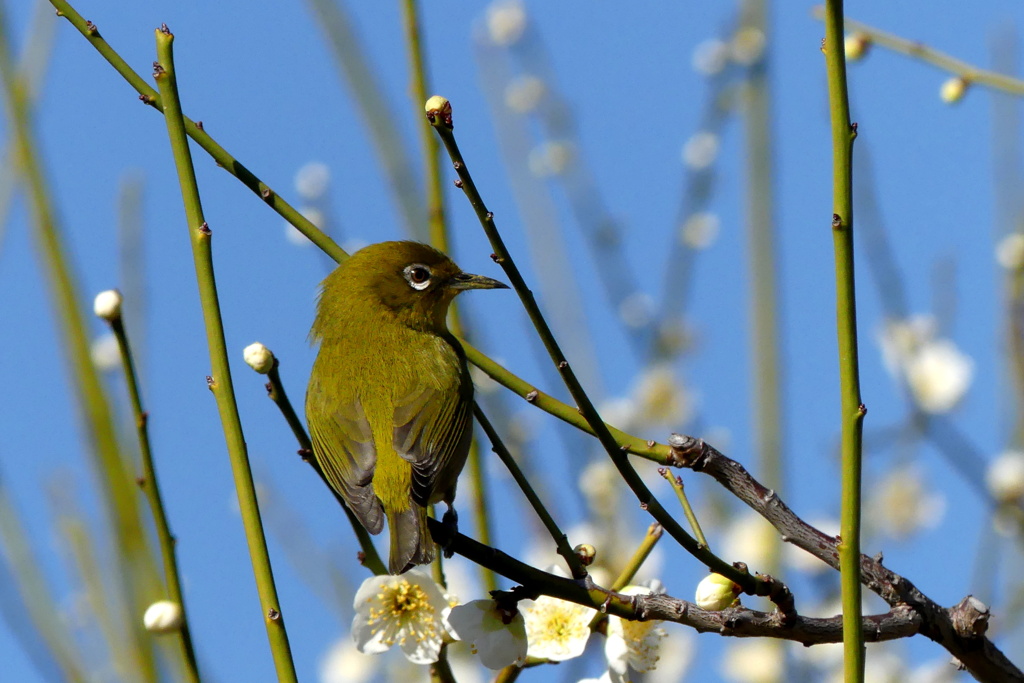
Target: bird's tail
{"points": [[411, 543]]}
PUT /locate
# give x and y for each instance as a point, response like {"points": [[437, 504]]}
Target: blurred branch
{"points": [[29, 586], [913, 48], [133, 561], [350, 56], [32, 65], [220, 382]]}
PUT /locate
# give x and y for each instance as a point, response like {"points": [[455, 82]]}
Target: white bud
{"points": [[701, 150], [259, 358], [163, 616], [716, 592], [953, 90], [107, 305], [710, 57]]}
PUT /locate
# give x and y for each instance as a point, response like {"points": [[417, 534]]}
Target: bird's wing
{"points": [[343, 446], [432, 432]]}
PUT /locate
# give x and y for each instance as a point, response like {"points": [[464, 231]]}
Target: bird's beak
{"points": [[468, 281]]}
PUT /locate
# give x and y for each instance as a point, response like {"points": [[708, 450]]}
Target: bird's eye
{"points": [[418, 276]]}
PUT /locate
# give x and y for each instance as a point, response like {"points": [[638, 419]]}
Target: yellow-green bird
{"points": [[390, 401]]}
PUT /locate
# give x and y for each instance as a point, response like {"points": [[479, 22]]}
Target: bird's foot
{"points": [[451, 524]]}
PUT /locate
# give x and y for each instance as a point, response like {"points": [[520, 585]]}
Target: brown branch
{"points": [[959, 629], [740, 622]]}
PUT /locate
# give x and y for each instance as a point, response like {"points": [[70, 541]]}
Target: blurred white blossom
{"points": [[937, 373], [699, 230], [524, 93], [636, 310], [495, 633], [747, 46], [550, 158], [901, 503], [661, 398], [105, 352], [506, 21], [556, 629], [408, 610], [1010, 251], [312, 180], [755, 660], [701, 150], [343, 663], [1005, 477], [710, 57], [749, 538]]}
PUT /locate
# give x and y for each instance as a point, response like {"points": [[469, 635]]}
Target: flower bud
{"points": [[953, 90], [586, 552], [716, 592], [107, 305], [259, 358], [163, 616]]}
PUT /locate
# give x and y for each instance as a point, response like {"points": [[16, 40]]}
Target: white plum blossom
{"points": [[632, 644], [495, 632], [699, 230], [747, 46], [953, 90], [556, 629], [408, 610], [524, 93]]}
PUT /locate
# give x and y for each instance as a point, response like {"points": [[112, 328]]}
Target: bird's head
{"points": [[413, 280]]}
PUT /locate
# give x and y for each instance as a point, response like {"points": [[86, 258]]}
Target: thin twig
{"points": [[151, 488]]}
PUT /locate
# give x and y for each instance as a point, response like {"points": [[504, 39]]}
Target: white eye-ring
{"points": [[418, 276]]}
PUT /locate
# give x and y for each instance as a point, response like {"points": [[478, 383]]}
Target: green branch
{"points": [[852, 410], [220, 380]]}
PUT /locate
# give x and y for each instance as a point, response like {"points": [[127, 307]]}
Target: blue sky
{"points": [[267, 88]]}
